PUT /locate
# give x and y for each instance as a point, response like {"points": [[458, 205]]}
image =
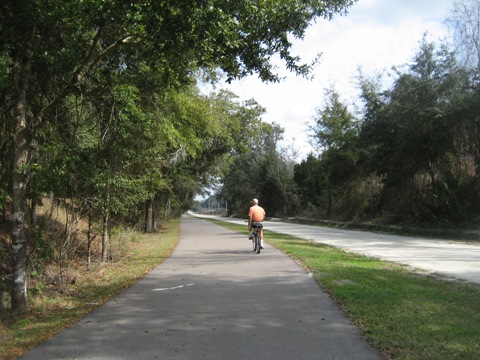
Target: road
{"points": [[215, 299], [453, 259]]}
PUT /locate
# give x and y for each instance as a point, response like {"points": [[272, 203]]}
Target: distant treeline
{"points": [[411, 153]]}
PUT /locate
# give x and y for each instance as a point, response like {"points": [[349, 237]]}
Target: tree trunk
{"points": [[330, 199], [105, 237], [149, 216], [154, 215], [33, 213], [19, 188], [89, 237], [167, 208], [22, 67]]}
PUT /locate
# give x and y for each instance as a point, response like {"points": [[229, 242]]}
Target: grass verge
{"points": [[48, 315], [404, 314]]}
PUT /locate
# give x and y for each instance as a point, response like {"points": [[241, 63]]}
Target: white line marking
{"points": [[173, 288]]}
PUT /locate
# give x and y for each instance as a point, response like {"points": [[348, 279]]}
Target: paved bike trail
{"points": [[215, 299], [450, 259]]}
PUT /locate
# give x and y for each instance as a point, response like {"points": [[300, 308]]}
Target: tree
{"points": [[240, 181], [464, 20], [410, 132], [262, 171], [53, 47], [309, 182], [334, 125], [336, 132], [204, 130], [275, 174]]}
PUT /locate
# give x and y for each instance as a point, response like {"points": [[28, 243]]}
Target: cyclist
{"points": [[256, 214]]}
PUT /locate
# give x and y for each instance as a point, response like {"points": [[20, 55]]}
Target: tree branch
{"points": [[91, 62]]}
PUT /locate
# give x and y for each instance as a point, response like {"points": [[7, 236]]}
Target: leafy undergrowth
{"points": [[404, 314], [52, 310]]}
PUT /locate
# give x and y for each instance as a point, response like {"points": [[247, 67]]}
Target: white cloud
{"points": [[375, 35]]}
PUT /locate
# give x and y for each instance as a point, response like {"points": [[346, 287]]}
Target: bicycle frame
{"points": [[256, 236]]}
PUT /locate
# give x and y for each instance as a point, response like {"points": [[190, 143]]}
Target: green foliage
{"points": [[44, 248], [412, 156], [335, 127], [76, 80], [310, 181], [264, 173], [336, 133], [411, 134], [99, 73]]}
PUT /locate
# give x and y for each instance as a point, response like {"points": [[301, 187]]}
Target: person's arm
{"points": [[250, 219]]}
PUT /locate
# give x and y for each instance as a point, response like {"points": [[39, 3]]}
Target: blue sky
{"points": [[374, 36]]}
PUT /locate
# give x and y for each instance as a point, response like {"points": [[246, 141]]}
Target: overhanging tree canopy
{"points": [[51, 47]]}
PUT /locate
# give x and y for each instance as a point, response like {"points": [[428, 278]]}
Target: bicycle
{"points": [[256, 226]]}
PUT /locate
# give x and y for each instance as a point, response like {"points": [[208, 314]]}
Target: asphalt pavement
{"points": [[215, 299], [450, 259]]}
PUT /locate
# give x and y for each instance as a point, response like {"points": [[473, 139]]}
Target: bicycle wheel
{"points": [[254, 243], [257, 243]]}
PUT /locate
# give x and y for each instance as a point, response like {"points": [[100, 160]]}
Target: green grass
{"points": [[48, 314], [404, 314]]}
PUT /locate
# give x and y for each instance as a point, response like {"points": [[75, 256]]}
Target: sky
{"points": [[374, 36]]}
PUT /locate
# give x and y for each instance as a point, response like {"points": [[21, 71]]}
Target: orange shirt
{"points": [[256, 214]]}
